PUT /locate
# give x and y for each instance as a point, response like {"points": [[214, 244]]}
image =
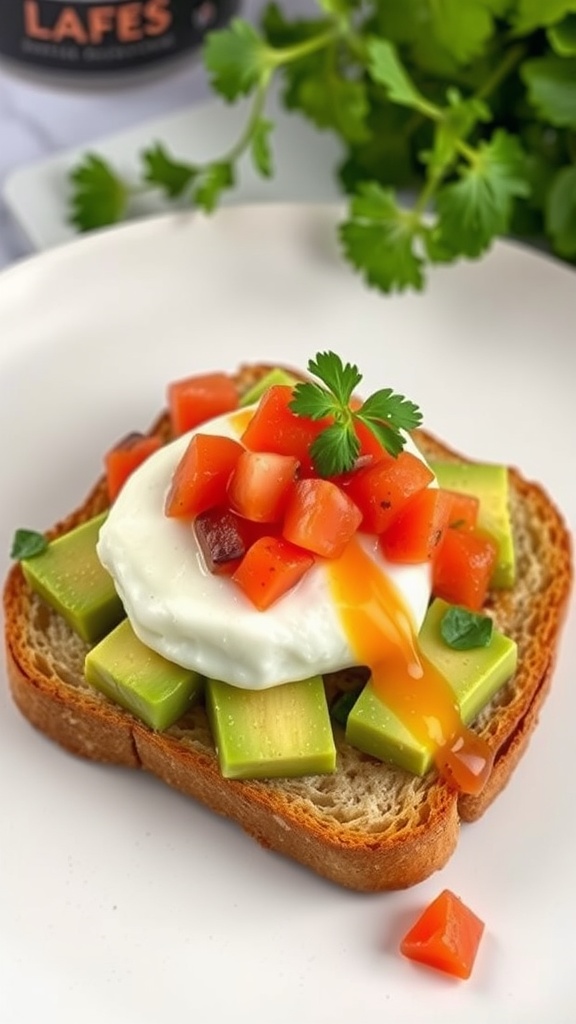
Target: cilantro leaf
{"points": [[462, 28], [213, 180], [27, 544], [463, 630], [473, 210], [379, 238], [337, 447], [407, 86], [350, 108], [341, 378], [401, 21], [534, 14], [170, 175], [313, 401], [335, 450], [386, 68], [99, 195], [551, 83], [236, 58], [561, 212], [386, 414], [393, 409], [331, 101], [562, 36]]}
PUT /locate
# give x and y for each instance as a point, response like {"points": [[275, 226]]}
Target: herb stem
{"points": [[258, 104], [513, 57], [288, 54], [277, 58]]}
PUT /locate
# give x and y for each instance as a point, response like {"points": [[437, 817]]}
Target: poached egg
{"points": [[204, 622]]}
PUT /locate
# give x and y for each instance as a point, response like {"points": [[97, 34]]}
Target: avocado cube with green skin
{"points": [[474, 675], [281, 732], [269, 380], [489, 483], [68, 576], [140, 680]]}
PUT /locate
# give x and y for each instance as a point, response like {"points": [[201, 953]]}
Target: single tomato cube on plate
{"points": [[446, 936]]}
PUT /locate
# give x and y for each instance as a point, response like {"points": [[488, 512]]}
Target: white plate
{"points": [[123, 902]]}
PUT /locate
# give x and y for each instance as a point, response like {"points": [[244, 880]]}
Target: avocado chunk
{"points": [[273, 377], [69, 577], [140, 680], [474, 675], [276, 733], [489, 483]]}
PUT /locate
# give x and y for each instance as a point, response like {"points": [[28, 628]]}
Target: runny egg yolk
{"points": [[382, 636]]}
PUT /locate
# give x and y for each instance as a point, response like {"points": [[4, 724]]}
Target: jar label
{"points": [[88, 37]]}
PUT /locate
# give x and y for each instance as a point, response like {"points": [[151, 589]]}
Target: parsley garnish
{"points": [[337, 447], [27, 544], [462, 629], [457, 125]]}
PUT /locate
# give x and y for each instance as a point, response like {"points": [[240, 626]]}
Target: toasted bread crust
{"points": [[369, 826]]}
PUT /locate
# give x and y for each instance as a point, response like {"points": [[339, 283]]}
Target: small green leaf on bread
{"points": [[27, 544]]}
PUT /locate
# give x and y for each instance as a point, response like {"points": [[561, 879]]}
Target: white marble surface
{"points": [[38, 120]]}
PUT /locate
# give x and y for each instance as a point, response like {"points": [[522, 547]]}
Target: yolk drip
{"points": [[240, 419], [383, 637]]}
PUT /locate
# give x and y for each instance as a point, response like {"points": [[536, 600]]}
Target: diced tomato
{"points": [[259, 485], [416, 532], [464, 511], [275, 428], [380, 491], [125, 457], [446, 936], [194, 400], [201, 477], [463, 566], [223, 538], [320, 517], [270, 568], [371, 449]]}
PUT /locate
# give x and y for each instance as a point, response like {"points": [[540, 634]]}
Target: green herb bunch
{"points": [[458, 120]]}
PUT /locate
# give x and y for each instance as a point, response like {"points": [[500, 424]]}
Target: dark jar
{"points": [[90, 40]]}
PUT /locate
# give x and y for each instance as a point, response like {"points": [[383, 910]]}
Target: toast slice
{"points": [[369, 826]]}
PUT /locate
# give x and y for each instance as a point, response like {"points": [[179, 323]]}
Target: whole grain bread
{"points": [[368, 826]]}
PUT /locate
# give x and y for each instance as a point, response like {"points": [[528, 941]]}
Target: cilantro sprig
{"points": [[457, 122], [337, 447]]}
